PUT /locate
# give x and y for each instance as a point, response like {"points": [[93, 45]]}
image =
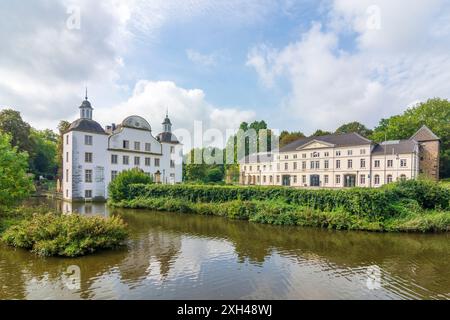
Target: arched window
{"points": [[389, 178], [377, 179], [402, 177]]}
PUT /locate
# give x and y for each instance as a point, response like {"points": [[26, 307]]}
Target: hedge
{"points": [[279, 213], [365, 202]]}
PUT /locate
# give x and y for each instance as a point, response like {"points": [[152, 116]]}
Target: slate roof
{"points": [[86, 125], [424, 134], [338, 140], [86, 104], [167, 137], [397, 147]]}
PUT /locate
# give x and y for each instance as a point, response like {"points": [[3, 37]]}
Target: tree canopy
{"points": [[320, 132], [11, 123], [287, 137], [40, 145], [434, 113], [354, 126]]}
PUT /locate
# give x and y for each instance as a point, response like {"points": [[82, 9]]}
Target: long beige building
{"points": [[344, 160]]}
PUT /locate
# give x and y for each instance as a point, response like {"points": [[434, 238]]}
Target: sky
{"points": [[299, 65]]}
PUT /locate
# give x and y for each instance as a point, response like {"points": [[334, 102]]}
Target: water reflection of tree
{"points": [[157, 237], [157, 245], [422, 257]]}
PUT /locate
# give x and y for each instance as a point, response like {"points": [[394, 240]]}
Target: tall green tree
{"points": [[39, 144], [354, 127], [11, 123], [15, 184], [434, 113], [43, 158]]}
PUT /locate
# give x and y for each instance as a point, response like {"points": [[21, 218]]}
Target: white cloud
{"points": [[403, 61], [151, 99], [45, 65], [205, 60]]}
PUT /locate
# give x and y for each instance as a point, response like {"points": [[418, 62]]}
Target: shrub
{"points": [[373, 203], [280, 213], [427, 193], [119, 187], [66, 235]]}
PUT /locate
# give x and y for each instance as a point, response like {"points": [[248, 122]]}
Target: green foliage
{"points": [[279, 213], [353, 209], [435, 114], [11, 123], [119, 187], [354, 127], [288, 137], [359, 201], [248, 145], [44, 153], [204, 166], [214, 175], [41, 146], [320, 132], [430, 221], [15, 184], [428, 194], [66, 235]]}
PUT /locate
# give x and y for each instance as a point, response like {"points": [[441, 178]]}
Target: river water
{"points": [[179, 256]]}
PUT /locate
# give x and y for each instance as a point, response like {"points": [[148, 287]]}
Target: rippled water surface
{"points": [[175, 256]]}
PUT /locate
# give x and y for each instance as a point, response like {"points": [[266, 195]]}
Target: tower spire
{"points": [[167, 125], [86, 108]]}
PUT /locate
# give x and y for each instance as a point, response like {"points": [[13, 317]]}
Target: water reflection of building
{"points": [[85, 208], [152, 254]]}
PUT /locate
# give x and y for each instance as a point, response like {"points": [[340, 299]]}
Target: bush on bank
{"points": [[119, 188], [364, 202], [66, 235], [280, 213]]}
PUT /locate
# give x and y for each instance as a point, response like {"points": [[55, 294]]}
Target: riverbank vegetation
{"points": [[49, 233], [410, 206], [54, 234]]}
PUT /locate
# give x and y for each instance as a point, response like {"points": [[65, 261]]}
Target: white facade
{"points": [[94, 156], [319, 163]]}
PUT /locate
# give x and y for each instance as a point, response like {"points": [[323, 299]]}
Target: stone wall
{"points": [[429, 159]]}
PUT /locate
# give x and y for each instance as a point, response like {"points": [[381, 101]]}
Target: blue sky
{"points": [[299, 65]]}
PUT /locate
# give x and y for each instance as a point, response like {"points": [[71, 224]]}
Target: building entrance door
{"points": [[286, 180], [349, 180], [314, 180]]}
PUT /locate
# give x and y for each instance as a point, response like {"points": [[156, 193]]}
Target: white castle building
{"points": [[94, 156]]}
